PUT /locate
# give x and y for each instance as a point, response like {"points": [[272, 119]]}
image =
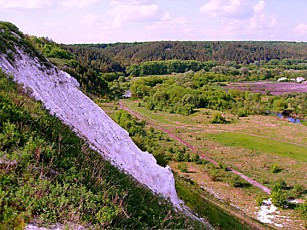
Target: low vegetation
{"points": [[262, 144], [248, 139], [49, 175]]}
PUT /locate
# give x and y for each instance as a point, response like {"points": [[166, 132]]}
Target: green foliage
{"points": [[214, 174], [11, 37], [49, 175], [91, 81], [183, 167], [279, 198], [149, 140], [278, 194], [238, 182], [183, 94], [218, 118], [260, 198], [279, 185], [167, 67], [275, 168], [303, 208], [298, 191], [261, 144], [218, 217], [229, 53]]}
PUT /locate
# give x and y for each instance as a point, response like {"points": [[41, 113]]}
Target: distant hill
{"points": [[117, 56]]}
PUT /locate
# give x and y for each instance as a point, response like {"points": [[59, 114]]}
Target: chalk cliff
{"points": [[59, 93]]}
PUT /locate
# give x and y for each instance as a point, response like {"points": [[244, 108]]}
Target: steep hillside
{"points": [[49, 175]]}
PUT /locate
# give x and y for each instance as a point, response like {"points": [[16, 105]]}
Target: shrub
{"points": [[275, 168], [218, 118], [183, 167], [279, 198], [213, 174], [238, 182], [279, 185], [260, 198], [298, 190], [303, 208]]}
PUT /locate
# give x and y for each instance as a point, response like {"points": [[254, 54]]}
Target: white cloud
{"points": [[301, 29], [228, 8], [261, 20], [170, 27], [78, 3], [236, 25], [128, 10], [259, 7], [90, 19], [26, 4]]}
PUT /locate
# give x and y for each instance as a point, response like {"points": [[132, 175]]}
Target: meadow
{"points": [[265, 148]]}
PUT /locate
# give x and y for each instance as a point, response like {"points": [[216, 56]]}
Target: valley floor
{"points": [[251, 145]]}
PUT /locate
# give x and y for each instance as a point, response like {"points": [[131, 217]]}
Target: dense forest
{"points": [[116, 57]]}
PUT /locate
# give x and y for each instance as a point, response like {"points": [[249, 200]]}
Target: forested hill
{"points": [[119, 55]]}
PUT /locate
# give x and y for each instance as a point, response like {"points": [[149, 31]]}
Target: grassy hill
{"points": [[49, 175]]}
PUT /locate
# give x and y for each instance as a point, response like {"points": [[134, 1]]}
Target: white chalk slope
{"points": [[60, 95]]}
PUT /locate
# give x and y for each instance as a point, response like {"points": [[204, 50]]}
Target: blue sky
{"points": [[99, 21]]}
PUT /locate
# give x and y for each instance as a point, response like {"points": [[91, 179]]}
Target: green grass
{"points": [[163, 117], [58, 62], [148, 113], [48, 175], [261, 144], [204, 206]]}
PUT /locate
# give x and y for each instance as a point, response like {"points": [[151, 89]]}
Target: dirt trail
{"points": [[193, 149]]}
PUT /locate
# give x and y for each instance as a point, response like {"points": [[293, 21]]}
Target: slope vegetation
{"points": [[48, 174]]}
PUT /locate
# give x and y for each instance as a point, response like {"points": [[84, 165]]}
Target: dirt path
{"points": [[193, 149]]}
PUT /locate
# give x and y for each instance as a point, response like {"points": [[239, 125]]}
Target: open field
{"points": [[274, 88], [196, 130], [256, 143], [271, 139]]}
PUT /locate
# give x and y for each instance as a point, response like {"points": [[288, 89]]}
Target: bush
{"points": [[298, 190], [275, 168], [213, 174], [259, 199], [279, 198], [303, 208], [238, 182], [183, 167], [279, 185], [218, 118]]}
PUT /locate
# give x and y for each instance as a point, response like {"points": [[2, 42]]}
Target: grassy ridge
{"points": [[261, 144]]}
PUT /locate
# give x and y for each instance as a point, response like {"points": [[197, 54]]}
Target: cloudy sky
{"points": [[99, 21]]}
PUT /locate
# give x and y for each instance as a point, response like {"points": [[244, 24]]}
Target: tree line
{"points": [[184, 93]]}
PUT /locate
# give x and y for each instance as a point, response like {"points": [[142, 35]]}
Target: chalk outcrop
{"points": [[59, 93]]}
